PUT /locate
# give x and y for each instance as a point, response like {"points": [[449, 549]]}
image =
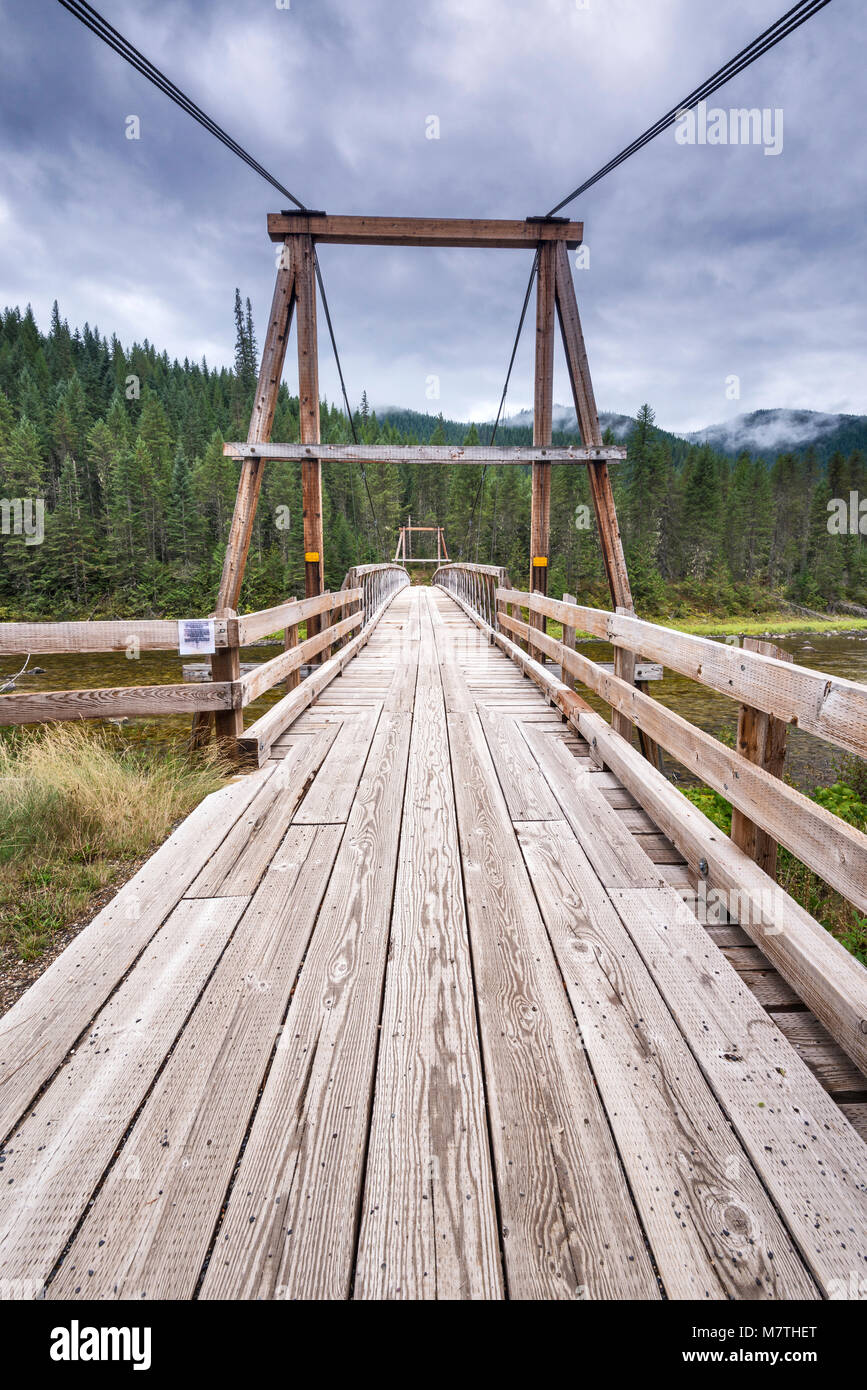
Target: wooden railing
{"points": [[829, 706], [475, 585], [373, 587], [377, 583], [336, 623], [830, 981]]}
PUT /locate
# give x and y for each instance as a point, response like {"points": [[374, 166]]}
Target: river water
{"points": [[810, 762]]}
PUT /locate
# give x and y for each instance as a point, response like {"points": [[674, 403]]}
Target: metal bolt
{"points": [[702, 867]]}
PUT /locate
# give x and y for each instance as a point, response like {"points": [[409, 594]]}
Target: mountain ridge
{"points": [[762, 433]]}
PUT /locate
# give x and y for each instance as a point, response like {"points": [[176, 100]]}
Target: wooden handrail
{"points": [[118, 702], [270, 673], [161, 634], [834, 850], [377, 583], [830, 981], [476, 585], [255, 743], [254, 626], [147, 635], [831, 707]]}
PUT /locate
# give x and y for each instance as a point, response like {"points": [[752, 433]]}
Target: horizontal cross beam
{"points": [[428, 453], [424, 231]]}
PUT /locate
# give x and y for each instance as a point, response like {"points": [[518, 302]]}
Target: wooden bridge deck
{"points": [[417, 1011]]}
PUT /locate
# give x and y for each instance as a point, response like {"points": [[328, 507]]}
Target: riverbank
{"points": [[769, 625]]}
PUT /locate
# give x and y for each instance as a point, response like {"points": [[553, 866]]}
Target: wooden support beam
{"points": [[597, 473], [761, 739], [250, 484], [543, 407], [261, 421], [308, 392], [505, 234], [470, 455]]}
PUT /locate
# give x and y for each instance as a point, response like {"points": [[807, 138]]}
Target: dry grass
{"points": [[77, 808]]}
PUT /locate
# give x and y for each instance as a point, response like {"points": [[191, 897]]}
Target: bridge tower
{"points": [[551, 238]]}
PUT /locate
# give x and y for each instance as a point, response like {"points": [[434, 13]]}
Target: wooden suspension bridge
{"points": [[452, 994]]}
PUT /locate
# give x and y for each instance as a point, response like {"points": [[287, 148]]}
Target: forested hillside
{"points": [[125, 446]]}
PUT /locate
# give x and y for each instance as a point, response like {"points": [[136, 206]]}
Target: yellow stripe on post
{"points": [[540, 562], [311, 556]]}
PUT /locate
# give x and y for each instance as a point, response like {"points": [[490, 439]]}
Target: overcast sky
{"points": [[706, 262]]}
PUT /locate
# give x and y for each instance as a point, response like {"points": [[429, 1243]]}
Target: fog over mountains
{"points": [[764, 433]]}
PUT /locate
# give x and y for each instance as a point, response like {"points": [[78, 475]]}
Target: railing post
{"points": [[624, 667], [290, 640], [328, 620], [568, 641], [762, 740], [226, 666]]}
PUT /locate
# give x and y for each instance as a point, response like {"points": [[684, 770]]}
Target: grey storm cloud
{"points": [[706, 262]]}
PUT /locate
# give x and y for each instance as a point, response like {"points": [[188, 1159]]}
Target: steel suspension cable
{"points": [[780, 29]]}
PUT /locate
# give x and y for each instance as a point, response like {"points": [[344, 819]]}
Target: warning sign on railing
{"points": [[196, 636]]}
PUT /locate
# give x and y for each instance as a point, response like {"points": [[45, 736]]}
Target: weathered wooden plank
{"points": [[812, 1163], [148, 1232], [770, 1096], [244, 855], [290, 1225], [479, 232], [429, 1224], [771, 990], [57, 1155], [254, 626], [527, 794], [856, 1114], [130, 702], [329, 800], [468, 454], [137, 635], [569, 1228], [711, 1227], [38, 1031], [614, 858], [826, 1060]]}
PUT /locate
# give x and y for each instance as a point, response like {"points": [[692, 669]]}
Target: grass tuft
{"points": [[77, 810]]}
